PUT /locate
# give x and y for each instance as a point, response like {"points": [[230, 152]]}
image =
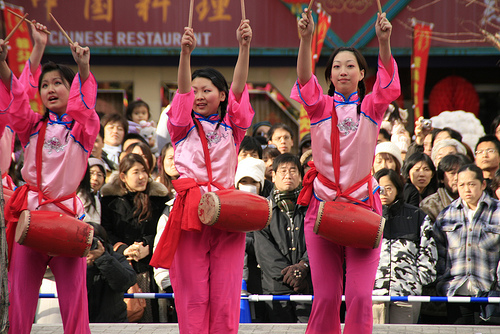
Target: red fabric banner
{"points": [[421, 45]]}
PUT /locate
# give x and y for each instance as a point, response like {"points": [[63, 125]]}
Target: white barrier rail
{"points": [[309, 298]]}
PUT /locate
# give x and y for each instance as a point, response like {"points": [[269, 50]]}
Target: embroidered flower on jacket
{"points": [[347, 126], [54, 144], [215, 137]]}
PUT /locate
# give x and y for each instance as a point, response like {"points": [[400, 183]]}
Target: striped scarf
{"points": [[287, 200]]}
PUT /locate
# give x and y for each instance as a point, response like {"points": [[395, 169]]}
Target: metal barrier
{"points": [[309, 298]]}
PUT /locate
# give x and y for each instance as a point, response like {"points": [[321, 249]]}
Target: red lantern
{"points": [[453, 93]]}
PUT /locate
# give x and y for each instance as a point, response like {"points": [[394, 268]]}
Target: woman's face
{"points": [[388, 190], [138, 150], [169, 164], [54, 92], [269, 168], [207, 97], [97, 178], [470, 188], [420, 175], [136, 178], [346, 73], [384, 161]]}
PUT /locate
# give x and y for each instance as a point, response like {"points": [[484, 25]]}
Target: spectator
{"points": [[131, 207], [387, 155], [98, 153], [383, 136], [420, 176], [468, 242], [249, 147], [115, 127], [445, 147], [495, 129], [109, 275], [487, 156], [280, 248], [305, 144], [88, 191], [268, 155], [304, 160], [144, 151], [445, 133], [261, 129], [139, 119], [166, 168], [408, 254], [281, 136], [250, 175]]}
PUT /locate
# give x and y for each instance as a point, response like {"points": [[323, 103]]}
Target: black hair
{"points": [[363, 65], [219, 82], [101, 131], [67, 74], [270, 152], [449, 163], [453, 134], [146, 150], [395, 179], [474, 169], [385, 134], [251, 144], [495, 124], [489, 138], [411, 161], [100, 232], [135, 136], [115, 118], [134, 104], [287, 158], [279, 126], [85, 190]]}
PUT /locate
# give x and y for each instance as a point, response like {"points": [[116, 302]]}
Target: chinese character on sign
{"points": [[49, 5], [218, 8], [35, 3], [143, 8], [98, 10]]}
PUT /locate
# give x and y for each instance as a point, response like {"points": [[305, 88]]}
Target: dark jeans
{"points": [[463, 314], [288, 312]]}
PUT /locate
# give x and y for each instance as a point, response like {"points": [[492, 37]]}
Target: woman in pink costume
{"points": [[344, 130], [52, 170], [207, 123]]}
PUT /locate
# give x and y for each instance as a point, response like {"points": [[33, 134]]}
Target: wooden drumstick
{"points": [[61, 28], [243, 16], [310, 6], [20, 16], [191, 9], [15, 28], [379, 7]]}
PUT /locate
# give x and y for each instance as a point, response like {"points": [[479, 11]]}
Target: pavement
{"points": [[271, 328]]}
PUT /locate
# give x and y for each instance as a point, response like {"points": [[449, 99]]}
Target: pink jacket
{"points": [[358, 132], [223, 143], [67, 144]]}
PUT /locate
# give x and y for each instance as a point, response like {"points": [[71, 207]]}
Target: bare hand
{"points": [[39, 37], [95, 253], [244, 33], [136, 252], [383, 27], [3, 50], [80, 54], [306, 24], [188, 41]]}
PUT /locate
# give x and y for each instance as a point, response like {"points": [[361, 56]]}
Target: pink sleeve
{"points": [[240, 114], [30, 81], [386, 89], [311, 97], [179, 115], [81, 107]]}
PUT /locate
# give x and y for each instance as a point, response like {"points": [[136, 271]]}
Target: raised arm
{"points": [[383, 28], [240, 76], [40, 41], [188, 43], [82, 59], [304, 60], [5, 72]]}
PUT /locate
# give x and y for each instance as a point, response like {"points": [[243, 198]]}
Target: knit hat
{"points": [[97, 162], [391, 148], [254, 168]]}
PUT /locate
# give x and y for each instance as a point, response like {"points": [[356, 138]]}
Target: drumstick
{"points": [[15, 28], [20, 16], [243, 16], [310, 6], [379, 7], [191, 8], [61, 28]]}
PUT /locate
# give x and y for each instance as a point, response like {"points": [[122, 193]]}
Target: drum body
{"points": [[234, 210], [54, 233], [349, 224]]}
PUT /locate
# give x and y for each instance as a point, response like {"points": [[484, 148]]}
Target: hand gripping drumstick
{"points": [[20, 16], [379, 7], [15, 28], [61, 28], [191, 8]]}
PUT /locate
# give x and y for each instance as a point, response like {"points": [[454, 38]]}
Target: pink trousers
{"points": [[25, 277], [326, 259], [206, 276]]}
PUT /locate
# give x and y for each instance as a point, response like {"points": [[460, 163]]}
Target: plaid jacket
{"points": [[467, 250]]}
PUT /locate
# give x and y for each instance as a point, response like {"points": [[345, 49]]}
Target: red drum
{"points": [[54, 233], [234, 210], [349, 224]]}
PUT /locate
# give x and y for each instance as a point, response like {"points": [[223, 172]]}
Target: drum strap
{"points": [[42, 200]]}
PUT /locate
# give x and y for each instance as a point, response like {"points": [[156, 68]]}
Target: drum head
{"points": [[209, 208], [23, 226], [318, 217]]}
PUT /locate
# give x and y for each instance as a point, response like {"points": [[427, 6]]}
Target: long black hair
{"points": [[363, 65], [220, 82], [67, 75]]}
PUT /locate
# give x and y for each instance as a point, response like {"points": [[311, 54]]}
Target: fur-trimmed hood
{"points": [[113, 188]]}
